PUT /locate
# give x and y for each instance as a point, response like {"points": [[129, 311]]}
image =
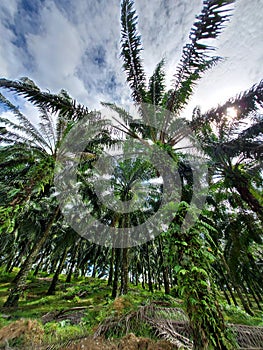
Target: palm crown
{"points": [[28, 154]]}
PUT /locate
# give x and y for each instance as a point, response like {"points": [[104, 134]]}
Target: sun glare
{"points": [[231, 112]]}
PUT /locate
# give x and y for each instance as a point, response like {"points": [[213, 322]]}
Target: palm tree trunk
{"points": [[198, 291], [116, 272], [111, 268], [94, 270], [149, 270], [164, 268], [242, 187], [143, 277], [124, 271], [18, 261], [9, 264], [236, 286], [250, 287], [228, 287], [40, 261], [72, 263], [17, 290], [52, 287]]}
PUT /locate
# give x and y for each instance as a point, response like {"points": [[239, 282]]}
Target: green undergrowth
{"points": [[94, 297], [234, 314]]}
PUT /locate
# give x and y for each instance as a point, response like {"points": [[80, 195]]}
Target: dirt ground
{"points": [[129, 342], [30, 333]]}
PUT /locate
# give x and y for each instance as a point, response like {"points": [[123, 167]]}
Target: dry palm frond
{"points": [[163, 320], [171, 324]]}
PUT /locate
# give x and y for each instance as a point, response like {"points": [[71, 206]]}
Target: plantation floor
{"points": [[69, 319]]}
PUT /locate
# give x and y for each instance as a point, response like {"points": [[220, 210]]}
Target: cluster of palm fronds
{"points": [[32, 226], [166, 322], [171, 324]]}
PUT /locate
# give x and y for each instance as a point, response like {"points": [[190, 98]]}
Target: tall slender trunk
{"points": [[110, 278], [246, 294], [124, 271], [72, 262], [143, 277], [39, 263], [164, 268], [226, 295], [257, 290], [242, 186], [197, 288], [250, 287], [52, 287], [116, 272], [236, 286], [53, 265], [136, 277], [17, 290], [149, 270], [94, 270], [78, 264], [9, 264], [229, 287], [18, 262]]}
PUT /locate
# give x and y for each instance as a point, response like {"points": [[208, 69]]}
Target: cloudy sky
{"points": [[74, 44]]}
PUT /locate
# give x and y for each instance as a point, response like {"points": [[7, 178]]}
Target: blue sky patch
{"points": [[74, 44]]}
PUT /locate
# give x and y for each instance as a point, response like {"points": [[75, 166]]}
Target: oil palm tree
{"points": [[196, 59], [27, 161], [205, 317], [234, 145]]}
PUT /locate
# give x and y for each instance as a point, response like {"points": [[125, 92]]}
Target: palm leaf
{"points": [[47, 126], [244, 103], [157, 84], [25, 125], [122, 113], [196, 57], [130, 51], [246, 142], [54, 103]]}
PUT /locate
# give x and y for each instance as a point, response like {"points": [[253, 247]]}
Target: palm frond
{"points": [[25, 125], [157, 84], [180, 97], [47, 125], [244, 103], [122, 113], [196, 57], [12, 138], [20, 135], [54, 103], [130, 51], [246, 142]]}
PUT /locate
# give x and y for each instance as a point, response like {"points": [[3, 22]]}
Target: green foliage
{"points": [[130, 50], [61, 103], [223, 250], [196, 287], [234, 314], [62, 331], [100, 307]]}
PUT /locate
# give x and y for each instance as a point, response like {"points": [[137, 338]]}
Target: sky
{"points": [[74, 45]]}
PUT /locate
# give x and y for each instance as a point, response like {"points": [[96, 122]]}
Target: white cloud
{"points": [[165, 26], [9, 8], [9, 52], [57, 51], [76, 47], [242, 45]]}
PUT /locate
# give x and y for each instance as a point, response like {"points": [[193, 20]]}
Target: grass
{"points": [[95, 296]]}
